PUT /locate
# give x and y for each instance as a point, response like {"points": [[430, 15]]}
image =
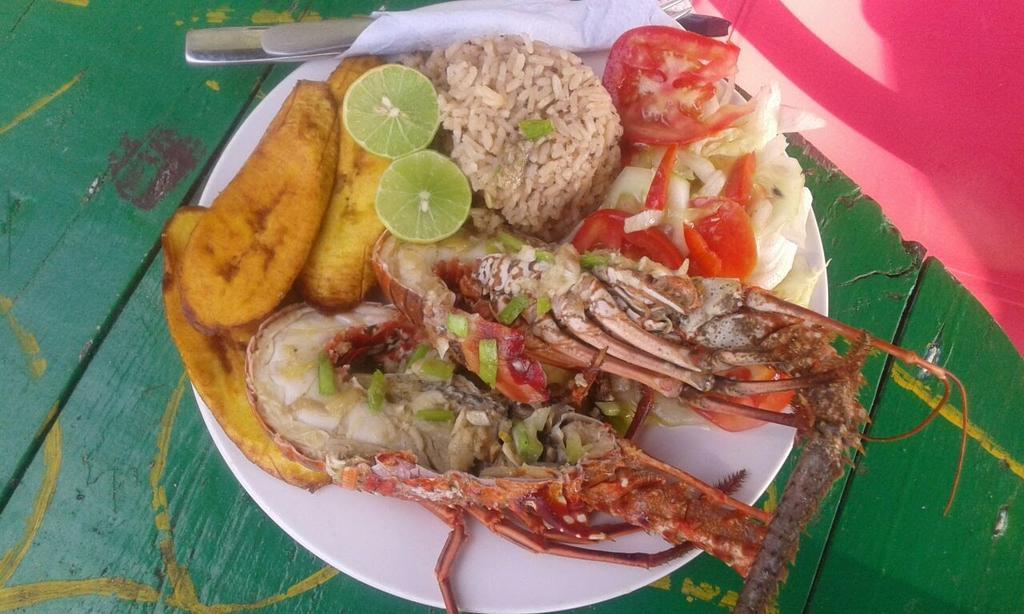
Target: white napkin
{"points": [[576, 25]]}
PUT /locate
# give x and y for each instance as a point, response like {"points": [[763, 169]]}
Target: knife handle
{"points": [[333, 35], [229, 46]]}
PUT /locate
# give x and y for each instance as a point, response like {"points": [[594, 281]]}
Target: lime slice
{"points": [[391, 111], [423, 197]]}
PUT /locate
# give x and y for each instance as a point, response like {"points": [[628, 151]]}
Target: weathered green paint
{"points": [[133, 124], [893, 549]]}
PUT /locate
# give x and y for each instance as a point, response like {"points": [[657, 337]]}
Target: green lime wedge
{"points": [[423, 197], [391, 111]]}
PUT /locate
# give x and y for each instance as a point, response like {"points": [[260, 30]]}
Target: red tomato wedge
{"points": [[519, 377], [774, 401], [703, 261], [728, 235], [661, 77], [657, 194], [740, 185], [605, 229]]}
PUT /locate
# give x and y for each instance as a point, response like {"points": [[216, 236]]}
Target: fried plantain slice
{"points": [[245, 254], [338, 274], [216, 367]]}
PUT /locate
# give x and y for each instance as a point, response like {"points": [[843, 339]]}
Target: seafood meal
{"points": [[467, 277]]}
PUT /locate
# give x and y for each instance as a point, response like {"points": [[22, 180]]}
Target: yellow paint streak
{"points": [[904, 379], [183, 590], [664, 584], [28, 595], [311, 16], [729, 600], [163, 441], [213, 85], [39, 104], [51, 469], [266, 17], [179, 22], [703, 591], [26, 340], [218, 15], [311, 582], [772, 502], [81, 3]]}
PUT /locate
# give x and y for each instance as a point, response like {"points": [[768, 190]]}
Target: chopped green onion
{"points": [[534, 129], [574, 448], [590, 260], [458, 325], [621, 422], [544, 255], [528, 447], [543, 306], [435, 415], [511, 243], [418, 354], [488, 370], [619, 415], [325, 375], [513, 309], [435, 368], [375, 392]]}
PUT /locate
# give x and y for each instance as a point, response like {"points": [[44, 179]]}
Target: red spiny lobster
{"points": [[677, 335]]}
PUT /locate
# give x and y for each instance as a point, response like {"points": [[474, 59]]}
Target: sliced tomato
{"points": [[703, 261], [520, 378], [740, 184], [661, 77], [728, 234], [605, 229], [657, 194], [773, 401]]}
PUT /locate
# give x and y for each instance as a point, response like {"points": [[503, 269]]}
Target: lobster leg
{"points": [[570, 312], [539, 544], [725, 406], [449, 553]]}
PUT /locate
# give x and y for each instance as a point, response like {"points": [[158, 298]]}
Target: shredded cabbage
{"points": [[799, 284], [750, 132]]}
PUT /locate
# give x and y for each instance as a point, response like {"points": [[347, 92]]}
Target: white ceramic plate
{"points": [[393, 545]]}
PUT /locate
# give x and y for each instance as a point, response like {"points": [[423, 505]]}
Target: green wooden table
{"points": [[112, 496]]}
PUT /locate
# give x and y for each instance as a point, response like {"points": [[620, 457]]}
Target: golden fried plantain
{"points": [[216, 367], [338, 273], [245, 254]]}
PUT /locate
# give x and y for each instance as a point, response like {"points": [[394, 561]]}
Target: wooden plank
{"points": [[892, 536], [103, 128]]}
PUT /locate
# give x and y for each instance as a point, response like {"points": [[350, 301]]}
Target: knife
{"points": [[297, 42]]}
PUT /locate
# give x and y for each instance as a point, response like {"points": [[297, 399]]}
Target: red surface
{"points": [[924, 111]]}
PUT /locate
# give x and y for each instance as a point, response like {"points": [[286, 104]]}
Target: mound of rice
{"points": [[488, 86]]}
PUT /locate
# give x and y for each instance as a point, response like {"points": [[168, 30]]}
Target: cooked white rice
{"points": [[488, 86]]}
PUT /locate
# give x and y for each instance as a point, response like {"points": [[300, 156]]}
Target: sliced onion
{"points": [[712, 185], [699, 166], [644, 220], [632, 183], [792, 119]]}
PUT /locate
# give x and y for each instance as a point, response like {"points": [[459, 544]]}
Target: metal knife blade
{"points": [[298, 42]]}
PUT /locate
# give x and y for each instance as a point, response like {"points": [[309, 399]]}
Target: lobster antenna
{"points": [[944, 376]]}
